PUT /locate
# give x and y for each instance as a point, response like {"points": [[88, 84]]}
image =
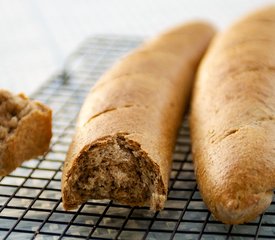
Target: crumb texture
{"points": [[12, 109], [25, 130], [114, 169]]}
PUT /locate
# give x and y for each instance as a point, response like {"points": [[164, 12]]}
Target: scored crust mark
{"points": [[105, 111], [267, 118], [117, 169], [255, 69], [100, 113], [266, 20], [113, 109], [235, 72], [214, 139], [224, 136]]}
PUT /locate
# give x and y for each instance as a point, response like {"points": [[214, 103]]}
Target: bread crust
{"points": [[232, 120], [29, 137], [128, 123]]}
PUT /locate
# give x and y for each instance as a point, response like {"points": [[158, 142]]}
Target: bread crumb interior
{"points": [[118, 172], [12, 109]]}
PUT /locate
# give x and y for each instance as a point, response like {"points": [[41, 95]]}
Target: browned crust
{"points": [[143, 95], [232, 120]]}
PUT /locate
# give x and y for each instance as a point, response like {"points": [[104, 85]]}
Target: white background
{"points": [[37, 35]]}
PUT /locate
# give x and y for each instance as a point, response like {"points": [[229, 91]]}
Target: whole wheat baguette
{"points": [[126, 130], [25, 130], [232, 120]]}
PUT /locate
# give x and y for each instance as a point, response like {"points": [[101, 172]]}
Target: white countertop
{"points": [[37, 35]]}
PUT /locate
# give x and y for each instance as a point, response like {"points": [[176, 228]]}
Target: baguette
{"points": [[25, 130], [232, 120], [127, 127]]}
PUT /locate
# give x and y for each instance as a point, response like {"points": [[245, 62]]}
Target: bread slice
{"points": [[127, 127], [25, 130], [232, 120]]}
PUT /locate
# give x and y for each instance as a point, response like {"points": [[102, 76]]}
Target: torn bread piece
{"points": [[127, 127], [25, 130]]}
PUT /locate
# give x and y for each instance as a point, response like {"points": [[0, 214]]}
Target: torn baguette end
{"points": [[114, 168], [25, 130]]}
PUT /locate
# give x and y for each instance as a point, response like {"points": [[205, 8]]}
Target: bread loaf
{"points": [[232, 120], [25, 130], [127, 127]]}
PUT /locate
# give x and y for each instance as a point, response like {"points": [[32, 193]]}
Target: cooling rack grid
{"points": [[30, 199]]}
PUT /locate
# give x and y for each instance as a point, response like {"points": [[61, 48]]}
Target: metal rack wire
{"points": [[30, 202]]}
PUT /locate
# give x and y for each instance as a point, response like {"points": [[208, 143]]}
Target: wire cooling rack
{"points": [[30, 202]]}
